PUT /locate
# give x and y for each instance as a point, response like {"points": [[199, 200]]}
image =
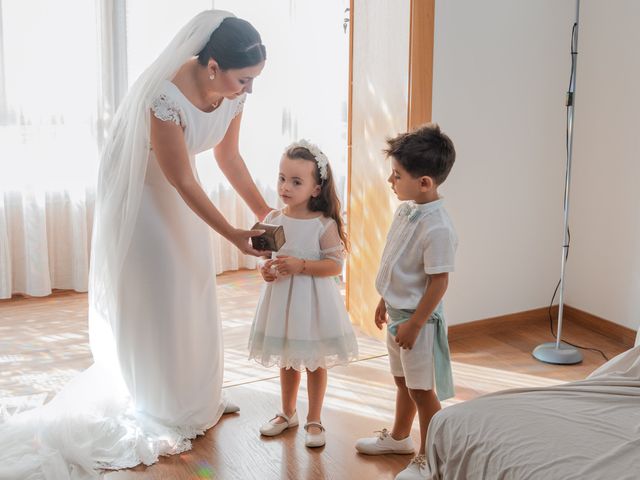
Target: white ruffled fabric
{"points": [[301, 321], [89, 426]]}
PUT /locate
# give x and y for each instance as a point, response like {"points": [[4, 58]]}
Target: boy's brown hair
{"points": [[426, 151]]}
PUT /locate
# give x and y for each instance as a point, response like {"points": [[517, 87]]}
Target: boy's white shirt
{"points": [[421, 242]]}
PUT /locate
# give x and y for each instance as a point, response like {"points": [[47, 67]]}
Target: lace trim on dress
{"points": [[303, 354], [240, 107], [302, 364], [166, 109]]}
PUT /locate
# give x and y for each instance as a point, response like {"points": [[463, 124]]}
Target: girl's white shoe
{"points": [[271, 428], [313, 440]]}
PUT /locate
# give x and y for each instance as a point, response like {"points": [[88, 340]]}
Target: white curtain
{"points": [[61, 79], [48, 148]]}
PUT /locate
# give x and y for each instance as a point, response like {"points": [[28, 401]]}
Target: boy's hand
{"points": [[407, 334], [381, 314], [266, 271], [286, 265]]}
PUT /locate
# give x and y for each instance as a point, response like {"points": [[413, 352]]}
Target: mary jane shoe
{"points": [[313, 440], [271, 428]]}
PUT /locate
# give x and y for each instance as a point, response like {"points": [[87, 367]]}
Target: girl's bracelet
{"points": [[304, 265]]}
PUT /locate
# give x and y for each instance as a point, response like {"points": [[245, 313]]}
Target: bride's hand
{"points": [[241, 239], [264, 213]]}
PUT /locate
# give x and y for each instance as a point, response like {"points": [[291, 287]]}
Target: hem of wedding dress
{"points": [[181, 445], [41, 444]]}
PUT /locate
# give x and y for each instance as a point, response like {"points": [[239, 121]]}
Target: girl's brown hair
{"points": [[327, 202]]}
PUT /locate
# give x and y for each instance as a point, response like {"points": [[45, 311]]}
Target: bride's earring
{"points": [[212, 76]]}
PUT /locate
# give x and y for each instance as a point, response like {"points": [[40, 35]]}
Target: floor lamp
{"points": [[558, 352]]}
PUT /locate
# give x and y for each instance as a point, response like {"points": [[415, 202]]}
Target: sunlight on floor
{"points": [[490, 380], [42, 354], [366, 388]]}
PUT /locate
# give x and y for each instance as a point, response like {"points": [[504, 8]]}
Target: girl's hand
{"points": [[286, 265], [240, 238], [381, 314], [266, 271], [407, 334]]}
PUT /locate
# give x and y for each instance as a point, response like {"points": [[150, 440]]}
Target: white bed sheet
{"points": [[581, 430]]}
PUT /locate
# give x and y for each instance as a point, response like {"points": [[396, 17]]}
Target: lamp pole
{"points": [[558, 352]]}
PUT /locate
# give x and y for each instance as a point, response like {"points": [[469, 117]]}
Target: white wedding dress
{"points": [[167, 387], [169, 337]]}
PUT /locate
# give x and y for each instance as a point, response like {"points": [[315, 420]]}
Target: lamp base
{"points": [[565, 355]]}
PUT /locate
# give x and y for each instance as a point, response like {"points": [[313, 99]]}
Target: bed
{"points": [[584, 430]]}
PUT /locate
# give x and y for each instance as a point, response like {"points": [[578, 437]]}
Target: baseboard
{"points": [[604, 327], [624, 335], [464, 330]]}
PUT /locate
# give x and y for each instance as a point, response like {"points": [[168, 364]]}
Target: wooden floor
{"points": [[43, 344]]}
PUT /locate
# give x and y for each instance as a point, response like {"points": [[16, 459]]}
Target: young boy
{"points": [[412, 279]]}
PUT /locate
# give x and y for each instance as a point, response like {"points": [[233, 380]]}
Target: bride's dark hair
{"points": [[234, 44], [327, 202]]}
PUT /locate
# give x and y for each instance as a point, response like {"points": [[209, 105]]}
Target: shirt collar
{"points": [[415, 210]]}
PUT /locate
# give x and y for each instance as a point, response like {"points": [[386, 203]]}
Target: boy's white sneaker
{"points": [[416, 470], [384, 443]]}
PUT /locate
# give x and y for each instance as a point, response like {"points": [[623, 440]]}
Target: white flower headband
{"points": [[321, 158]]}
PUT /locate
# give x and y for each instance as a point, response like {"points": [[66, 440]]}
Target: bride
{"points": [[154, 325]]}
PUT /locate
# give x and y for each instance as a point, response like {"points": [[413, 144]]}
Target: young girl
{"points": [[301, 322]]}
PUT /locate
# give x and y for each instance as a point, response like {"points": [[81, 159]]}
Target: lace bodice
{"points": [[202, 130]]}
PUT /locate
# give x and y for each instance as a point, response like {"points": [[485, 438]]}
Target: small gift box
{"points": [[272, 239]]}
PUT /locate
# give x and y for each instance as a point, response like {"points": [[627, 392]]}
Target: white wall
{"points": [[604, 262], [501, 71]]}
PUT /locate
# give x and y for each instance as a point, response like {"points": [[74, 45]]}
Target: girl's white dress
{"points": [[301, 321]]}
